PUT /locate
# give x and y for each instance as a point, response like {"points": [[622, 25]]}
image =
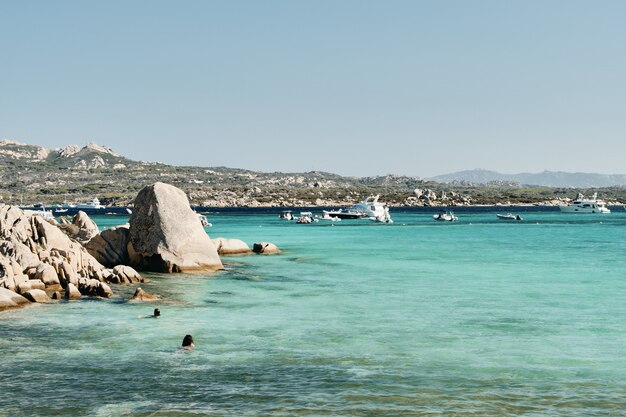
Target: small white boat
{"points": [[445, 216], [328, 217], [306, 217], [203, 220], [60, 210], [40, 213], [287, 215], [509, 216], [586, 205]]}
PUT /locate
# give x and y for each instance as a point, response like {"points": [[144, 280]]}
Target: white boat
{"points": [[41, 213], [368, 208], [287, 215], [585, 205], [204, 221], [328, 217], [60, 210], [93, 205], [445, 216], [306, 217], [509, 216]]}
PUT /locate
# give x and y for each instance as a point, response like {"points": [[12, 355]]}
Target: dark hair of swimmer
{"points": [[188, 341], [157, 312]]}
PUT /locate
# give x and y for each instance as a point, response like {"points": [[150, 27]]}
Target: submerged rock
{"points": [[141, 295], [265, 248], [165, 233]]}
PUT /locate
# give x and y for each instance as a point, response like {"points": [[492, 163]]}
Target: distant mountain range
{"points": [[545, 179]]}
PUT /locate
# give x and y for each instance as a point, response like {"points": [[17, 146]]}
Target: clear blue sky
{"points": [[352, 87]]}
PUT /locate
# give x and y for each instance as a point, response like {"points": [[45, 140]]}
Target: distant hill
{"points": [[544, 179], [33, 174]]}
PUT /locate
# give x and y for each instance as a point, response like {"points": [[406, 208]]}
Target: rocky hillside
{"points": [[31, 174]]}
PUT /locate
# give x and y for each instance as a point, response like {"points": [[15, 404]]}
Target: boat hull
{"points": [[345, 215], [584, 210]]}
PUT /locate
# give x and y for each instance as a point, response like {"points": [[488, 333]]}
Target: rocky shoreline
{"points": [[42, 260], [421, 197]]}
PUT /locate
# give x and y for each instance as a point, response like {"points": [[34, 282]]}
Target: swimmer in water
{"points": [[188, 342], [157, 313]]}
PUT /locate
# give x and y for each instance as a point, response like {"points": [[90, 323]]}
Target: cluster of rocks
{"points": [[428, 197], [39, 260], [42, 259]]}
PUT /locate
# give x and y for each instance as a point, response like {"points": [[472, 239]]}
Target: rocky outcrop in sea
{"points": [[39, 255], [43, 260]]}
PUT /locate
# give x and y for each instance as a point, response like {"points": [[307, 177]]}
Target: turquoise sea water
{"points": [[477, 318]]}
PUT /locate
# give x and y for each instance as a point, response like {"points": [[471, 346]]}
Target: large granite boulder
{"points": [[231, 246], [9, 299], [82, 228], [166, 235], [110, 246]]}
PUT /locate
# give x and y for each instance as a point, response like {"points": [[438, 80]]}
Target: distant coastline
{"points": [[31, 174]]}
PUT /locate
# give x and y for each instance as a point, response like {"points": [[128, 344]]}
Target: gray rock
{"points": [[165, 234], [82, 228], [231, 246], [94, 288], [47, 274], [31, 284], [71, 292], [36, 296], [265, 248], [110, 246], [9, 299], [141, 295], [122, 274]]}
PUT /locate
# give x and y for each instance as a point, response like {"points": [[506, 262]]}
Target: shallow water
{"points": [[481, 317]]}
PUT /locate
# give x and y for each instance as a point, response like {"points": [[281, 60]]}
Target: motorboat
{"points": [[306, 217], [328, 217], [368, 208], [60, 210], [585, 205], [203, 220], [287, 215], [445, 216], [40, 213], [509, 216]]}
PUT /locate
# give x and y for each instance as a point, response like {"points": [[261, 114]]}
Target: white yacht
{"points": [[93, 204], [368, 208], [585, 205]]}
